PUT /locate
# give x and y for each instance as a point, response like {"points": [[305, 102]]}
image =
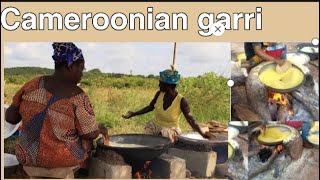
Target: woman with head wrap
{"points": [[59, 124], [168, 105]]}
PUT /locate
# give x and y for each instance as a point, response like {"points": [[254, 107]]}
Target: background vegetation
{"points": [[113, 94]]}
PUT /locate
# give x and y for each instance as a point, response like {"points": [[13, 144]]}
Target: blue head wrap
{"points": [[66, 52], [169, 76]]}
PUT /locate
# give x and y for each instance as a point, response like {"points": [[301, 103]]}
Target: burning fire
{"points": [[279, 148], [145, 173], [280, 99]]}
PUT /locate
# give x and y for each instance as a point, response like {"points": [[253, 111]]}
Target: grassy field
{"points": [[114, 94]]}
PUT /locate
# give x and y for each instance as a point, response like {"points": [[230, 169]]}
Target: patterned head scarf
{"points": [[169, 76], [66, 52]]}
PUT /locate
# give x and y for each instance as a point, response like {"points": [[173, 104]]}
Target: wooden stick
{"points": [[173, 66], [216, 123], [218, 131]]}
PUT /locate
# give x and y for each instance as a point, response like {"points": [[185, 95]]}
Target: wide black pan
{"points": [[137, 147]]}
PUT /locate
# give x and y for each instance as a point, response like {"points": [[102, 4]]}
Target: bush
{"points": [[114, 94]]}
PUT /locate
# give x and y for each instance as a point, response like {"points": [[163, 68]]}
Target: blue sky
{"points": [[192, 59]]}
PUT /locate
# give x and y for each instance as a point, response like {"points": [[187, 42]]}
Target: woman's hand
{"points": [[280, 62], [128, 115], [104, 135], [208, 135], [103, 131]]}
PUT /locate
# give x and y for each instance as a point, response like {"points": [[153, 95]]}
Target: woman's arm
{"points": [[93, 135], [145, 110], [261, 53], [187, 114], [85, 121], [12, 115]]}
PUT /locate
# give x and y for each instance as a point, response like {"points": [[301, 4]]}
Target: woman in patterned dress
{"points": [[168, 105], [58, 122]]}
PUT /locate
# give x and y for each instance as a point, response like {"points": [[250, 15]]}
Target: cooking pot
{"points": [[314, 55], [298, 58], [10, 165], [233, 146], [242, 126], [136, 147], [194, 141], [232, 132], [280, 127], [272, 65]]}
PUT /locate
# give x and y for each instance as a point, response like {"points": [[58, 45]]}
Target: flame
{"points": [[282, 100], [278, 98], [145, 173], [279, 148], [137, 175]]}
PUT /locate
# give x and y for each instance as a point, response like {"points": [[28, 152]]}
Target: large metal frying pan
{"points": [[194, 141], [273, 66], [136, 147]]}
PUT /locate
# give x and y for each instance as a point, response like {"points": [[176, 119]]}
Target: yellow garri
{"points": [[230, 151], [273, 134], [289, 79]]}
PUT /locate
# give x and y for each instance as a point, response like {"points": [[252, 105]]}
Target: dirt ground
{"points": [[306, 168]]}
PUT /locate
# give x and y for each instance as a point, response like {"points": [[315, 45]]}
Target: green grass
{"points": [[9, 145], [112, 95]]}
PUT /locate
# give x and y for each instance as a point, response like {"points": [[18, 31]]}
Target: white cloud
{"points": [[192, 59], [7, 51]]}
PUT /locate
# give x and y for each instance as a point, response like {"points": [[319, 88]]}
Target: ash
{"points": [[110, 157], [301, 113], [283, 167]]}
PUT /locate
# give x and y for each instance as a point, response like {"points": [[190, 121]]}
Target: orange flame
{"points": [[280, 99], [137, 175], [279, 148], [145, 174]]}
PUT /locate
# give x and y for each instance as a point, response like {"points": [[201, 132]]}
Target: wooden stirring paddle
{"points": [[210, 135], [282, 69]]}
